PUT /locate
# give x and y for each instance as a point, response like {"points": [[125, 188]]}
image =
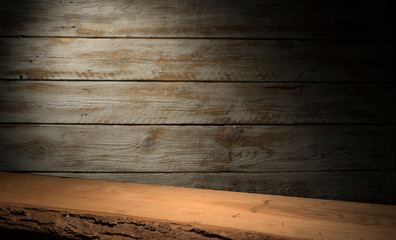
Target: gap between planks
{"points": [[193, 81], [204, 172], [206, 38], [196, 124]]}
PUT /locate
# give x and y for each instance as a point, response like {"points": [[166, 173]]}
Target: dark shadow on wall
{"points": [[15, 16]]}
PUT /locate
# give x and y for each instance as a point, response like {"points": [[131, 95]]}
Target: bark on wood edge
{"points": [[74, 224]]}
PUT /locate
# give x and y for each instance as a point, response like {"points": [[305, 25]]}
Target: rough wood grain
{"points": [[204, 18], [274, 215], [196, 148], [362, 186], [70, 224], [196, 59], [195, 103]]}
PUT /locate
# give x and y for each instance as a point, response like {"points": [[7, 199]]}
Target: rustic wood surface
{"points": [[307, 19], [195, 103], [196, 59], [361, 186], [273, 215], [196, 148], [309, 86], [23, 221]]}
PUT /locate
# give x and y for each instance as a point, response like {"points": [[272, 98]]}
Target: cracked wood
{"points": [[71, 224]]}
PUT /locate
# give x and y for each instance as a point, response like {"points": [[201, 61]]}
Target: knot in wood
{"points": [[41, 150], [148, 142], [234, 134]]}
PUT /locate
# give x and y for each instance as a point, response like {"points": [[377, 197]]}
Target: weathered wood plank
{"points": [[195, 103], [287, 217], [196, 148], [196, 59], [204, 18], [366, 186], [23, 221]]}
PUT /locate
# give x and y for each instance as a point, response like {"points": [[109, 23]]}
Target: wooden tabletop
{"points": [[287, 217]]}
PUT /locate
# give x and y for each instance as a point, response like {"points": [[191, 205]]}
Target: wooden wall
{"points": [[281, 97]]}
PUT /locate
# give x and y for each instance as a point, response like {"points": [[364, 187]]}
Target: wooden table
{"points": [[78, 208]]}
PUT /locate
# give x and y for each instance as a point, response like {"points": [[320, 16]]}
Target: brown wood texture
{"points": [[358, 186], [204, 18], [287, 217], [196, 148], [196, 59], [23, 221], [298, 76], [195, 103]]}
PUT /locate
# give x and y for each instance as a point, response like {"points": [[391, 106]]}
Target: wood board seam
{"points": [[196, 81], [216, 172], [207, 38], [196, 124]]}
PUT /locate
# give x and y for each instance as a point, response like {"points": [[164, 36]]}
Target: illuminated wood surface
{"points": [[282, 217], [362, 186], [196, 59], [283, 160], [194, 148]]}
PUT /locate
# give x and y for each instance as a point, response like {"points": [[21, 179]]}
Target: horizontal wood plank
{"points": [[195, 103], [204, 18], [196, 59], [196, 148], [294, 218], [366, 186]]}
